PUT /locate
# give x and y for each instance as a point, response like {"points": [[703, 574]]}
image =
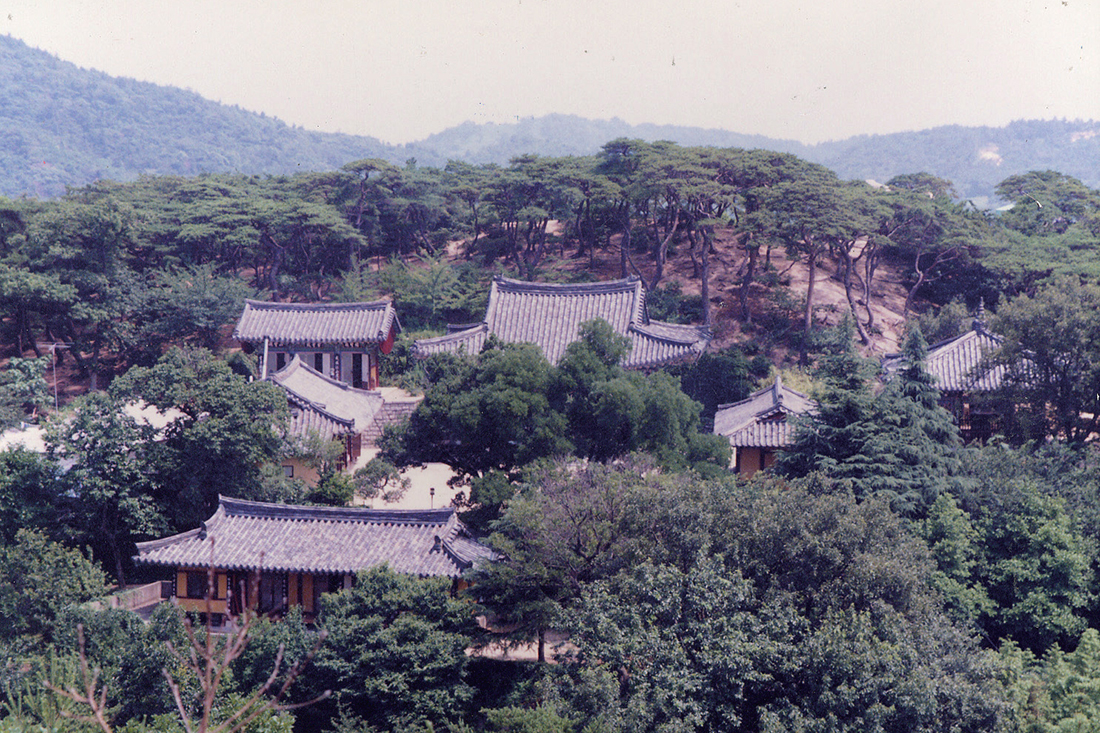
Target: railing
{"points": [[136, 597]]}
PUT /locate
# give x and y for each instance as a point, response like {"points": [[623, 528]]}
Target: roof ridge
{"points": [[317, 407], [239, 507], [455, 335], [601, 286], [700, 332], [359, 305]]}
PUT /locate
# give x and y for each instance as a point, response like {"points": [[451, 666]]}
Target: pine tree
{"points": [[900, 443], [838, 429], [912, 454]]}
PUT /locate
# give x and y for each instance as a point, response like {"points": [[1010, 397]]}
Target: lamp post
{"points": [[53, 354], [431, 493]]}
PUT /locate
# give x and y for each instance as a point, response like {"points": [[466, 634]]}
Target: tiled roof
{"points": [[248, 535], [550, 316], [955, 362], [774, 433], [316, 324], [325, 405], [760, 420]]}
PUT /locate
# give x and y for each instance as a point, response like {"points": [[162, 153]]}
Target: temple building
{"points": [[549, 315], [269, 557], [759, 426], [344, 341]]}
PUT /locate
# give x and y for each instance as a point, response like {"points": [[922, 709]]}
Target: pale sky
{"points": [[400, 70]]}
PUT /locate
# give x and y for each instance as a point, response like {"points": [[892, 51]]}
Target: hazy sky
{"points": [[400, 70]]}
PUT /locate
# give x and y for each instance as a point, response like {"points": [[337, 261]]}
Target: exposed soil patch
{"points": [[726, 272]]}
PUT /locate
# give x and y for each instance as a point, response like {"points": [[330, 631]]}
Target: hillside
{"points": [[66, 126]]}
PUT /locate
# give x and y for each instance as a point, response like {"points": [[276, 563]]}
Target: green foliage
{"points": [[952, 320], [794, 610], [431, 294], [26, 706], [333, 489], [488, 494], [567, 526], [612, 412], [1059, 692], [484, 414], [899, 444], [227, 427], [190, 306], [1032, 510], [132, 655], [1036, 569], [38, 580], [1047, 202], [287, 641], [523, 720], [1051, 360], [956, 546], [395, 655], [721, 377], [1052, 227], [670, 305], [509, 407], [24, 391], [109, 494], [30, 495], [380, 479]]}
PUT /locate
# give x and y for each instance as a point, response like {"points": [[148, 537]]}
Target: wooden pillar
{"points": [[307, 593]]}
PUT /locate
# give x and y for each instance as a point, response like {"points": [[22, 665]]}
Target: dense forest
{"points": [[881, 576], [66, 126]]}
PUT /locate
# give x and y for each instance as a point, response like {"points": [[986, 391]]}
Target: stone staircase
{"points": [[391, 413]]}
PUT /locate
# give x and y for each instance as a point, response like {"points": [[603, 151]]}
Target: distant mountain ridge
{"points": [[63, 126]]}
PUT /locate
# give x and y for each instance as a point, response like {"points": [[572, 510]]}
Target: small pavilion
{"points": [[758, 426]]}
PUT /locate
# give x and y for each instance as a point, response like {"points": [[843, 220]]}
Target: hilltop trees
{"points": [[122, 270]]}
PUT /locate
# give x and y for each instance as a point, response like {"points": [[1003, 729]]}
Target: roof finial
{"points": [[979, 317]]}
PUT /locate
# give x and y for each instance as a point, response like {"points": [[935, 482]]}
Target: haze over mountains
{"points": [[63, 126]]}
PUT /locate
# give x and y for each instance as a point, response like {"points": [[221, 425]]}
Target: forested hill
{"points": [[975, 159], [61, 125], [66, 126]]}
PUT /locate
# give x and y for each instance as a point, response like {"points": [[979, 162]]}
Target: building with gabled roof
{"points": [[549, 315], [341, 340], [269, 557], [328, 408], [965, 378], [758, 426]]}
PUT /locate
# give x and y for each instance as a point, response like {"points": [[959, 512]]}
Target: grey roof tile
{"points": [[550, 316], [760, 420], [325, 405], [956, 362], [247, 535], [316, 324]]}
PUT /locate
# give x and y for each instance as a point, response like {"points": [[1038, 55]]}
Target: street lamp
{"points": [[53, 354]]}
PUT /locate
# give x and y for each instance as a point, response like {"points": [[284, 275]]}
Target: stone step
{"points": [[392, 413]]}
